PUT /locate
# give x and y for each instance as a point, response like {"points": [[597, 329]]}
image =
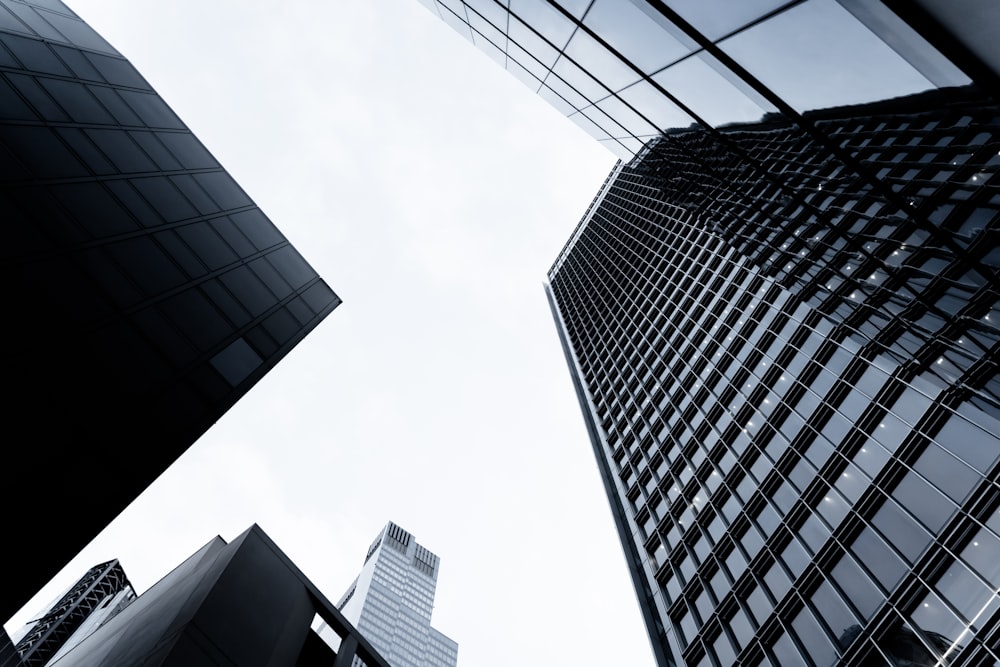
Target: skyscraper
{"points": [[780, 315], [391, 601], [97, 596], [146, 291], [237, 603]]}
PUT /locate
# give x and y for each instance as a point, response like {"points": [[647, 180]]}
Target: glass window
{"points": [[777, 581], [966, 593], [35, 55], [795, 558], [876, 554], [76, 99], [724, 650], [850, 65], [541, 16], [121, 150], [860, 590], [981, 554], [933, 616], [153, 110], [704, 85], [953, 478], [833, 611], [600, 63], [718, 18], [759, 605], [37, 97], [147, 265], [236, 361], [625, 116], [785, 652], [638, 32], [164, 197], [923, 501], [652, 104], [813, 638]]}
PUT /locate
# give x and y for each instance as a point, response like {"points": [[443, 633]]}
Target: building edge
{"points": [[658, 639]]}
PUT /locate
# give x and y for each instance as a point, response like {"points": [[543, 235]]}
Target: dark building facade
{"points": [[238, 603], [781, 315], [97, 596], [146, 293]]}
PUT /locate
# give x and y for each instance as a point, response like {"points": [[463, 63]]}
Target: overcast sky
{"points": [[432, 191]]}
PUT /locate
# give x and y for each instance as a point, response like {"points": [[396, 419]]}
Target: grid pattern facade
{"points": [[780, 315], [146, 291], [792, 384], [392, 599]]}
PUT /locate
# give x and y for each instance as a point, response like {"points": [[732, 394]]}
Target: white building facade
{"points": [[391, 600]]}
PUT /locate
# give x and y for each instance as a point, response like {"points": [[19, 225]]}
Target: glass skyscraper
{"points": [[145, 291], [391, 601], [781, 313]]}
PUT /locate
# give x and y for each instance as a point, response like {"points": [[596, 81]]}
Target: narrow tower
{"points": [[391, 602]]}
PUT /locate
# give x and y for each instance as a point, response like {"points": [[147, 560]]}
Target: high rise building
{"points": [[96, 597], [391, 602], [237, 603], [146, 292], [780, 314]]}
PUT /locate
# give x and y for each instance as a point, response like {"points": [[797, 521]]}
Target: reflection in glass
{"points": [[702, 84], [603, 65], [848, 65], [717, 18], [639, 33], [546, 20], [652, 104]]}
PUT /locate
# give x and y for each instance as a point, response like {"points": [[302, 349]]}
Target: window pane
{"points": [[849, 65]]}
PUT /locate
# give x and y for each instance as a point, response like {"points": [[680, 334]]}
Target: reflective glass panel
{"points": [[603, 65], [652, 104], [849, 65], [641, 35], [699, 82], [717, 18]]}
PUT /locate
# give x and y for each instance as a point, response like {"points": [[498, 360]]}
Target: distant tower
{"points": [[391, 601], [96, 597]]}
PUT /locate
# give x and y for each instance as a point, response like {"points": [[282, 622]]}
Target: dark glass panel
{"points": [[165, 198], [248, 288], [40, 100], [923, 501], [147, 265], [902, 532], [236, 361], [861, 591], [197, 318], [123, 152], [35, 55], [209, 247]]}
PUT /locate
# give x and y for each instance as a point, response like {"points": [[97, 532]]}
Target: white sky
{"points": [[432, 191]]}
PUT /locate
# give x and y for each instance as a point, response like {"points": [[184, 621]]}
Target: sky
{"points": [[432, 191]]}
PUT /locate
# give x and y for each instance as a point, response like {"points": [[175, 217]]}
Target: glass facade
{"points": [[391, 602], [146, 292], [781, 315]]}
